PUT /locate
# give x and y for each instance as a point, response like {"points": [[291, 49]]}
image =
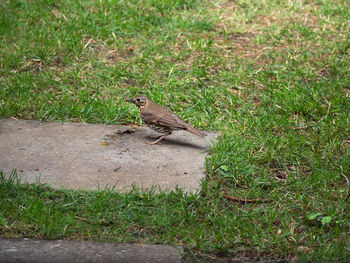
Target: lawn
{"points": [[273, 77]]}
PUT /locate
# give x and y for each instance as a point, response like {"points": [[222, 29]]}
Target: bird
{"points": [[161, 119]]}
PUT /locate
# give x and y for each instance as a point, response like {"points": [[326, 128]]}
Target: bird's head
{"points": [[139, 101]]}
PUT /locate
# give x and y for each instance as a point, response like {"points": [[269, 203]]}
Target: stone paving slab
{"points": [[91, 156], [64, 251]]}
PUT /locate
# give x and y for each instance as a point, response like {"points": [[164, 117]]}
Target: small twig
{"points": [[117, 169], [242, 200], [347, 182], [329, 107], [301, 128], [171, 71], [87, 43], [114, 36], [82, 219], [325, 116]]}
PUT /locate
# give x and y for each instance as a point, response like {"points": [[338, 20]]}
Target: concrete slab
{"points": [[88, 156], [60, 251]]}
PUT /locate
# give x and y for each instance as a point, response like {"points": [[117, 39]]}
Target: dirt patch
{"points": [[238, 35], [31, 64], [282, 173], [108, 55]]}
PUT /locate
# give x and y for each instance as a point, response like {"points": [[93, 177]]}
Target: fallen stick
{"points": [[241, 200], [301, 128]]}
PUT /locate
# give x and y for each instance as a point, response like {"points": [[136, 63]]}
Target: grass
{"points": [[272, 76]]}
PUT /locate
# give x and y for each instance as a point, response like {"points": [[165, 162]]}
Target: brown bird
{"points": [[161, 120]]}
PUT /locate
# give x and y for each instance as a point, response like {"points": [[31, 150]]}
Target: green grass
{"points": [[272, 76]]}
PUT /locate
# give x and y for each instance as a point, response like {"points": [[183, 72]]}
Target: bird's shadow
{"points": [[175, 142]]}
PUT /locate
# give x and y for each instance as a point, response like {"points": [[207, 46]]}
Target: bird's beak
{"points": [[129, 100]]}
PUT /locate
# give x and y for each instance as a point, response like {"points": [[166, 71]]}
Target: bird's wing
{"points": [[172, 120], [175, 122], [166, 119]]}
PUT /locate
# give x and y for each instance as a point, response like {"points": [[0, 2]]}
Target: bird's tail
{"points": [[195, 131]]}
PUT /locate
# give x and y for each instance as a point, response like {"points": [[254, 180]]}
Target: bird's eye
{"points": [[138, 99]]}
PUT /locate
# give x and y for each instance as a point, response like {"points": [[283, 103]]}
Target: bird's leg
{"points": [[159, 138], [156, 137]]}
